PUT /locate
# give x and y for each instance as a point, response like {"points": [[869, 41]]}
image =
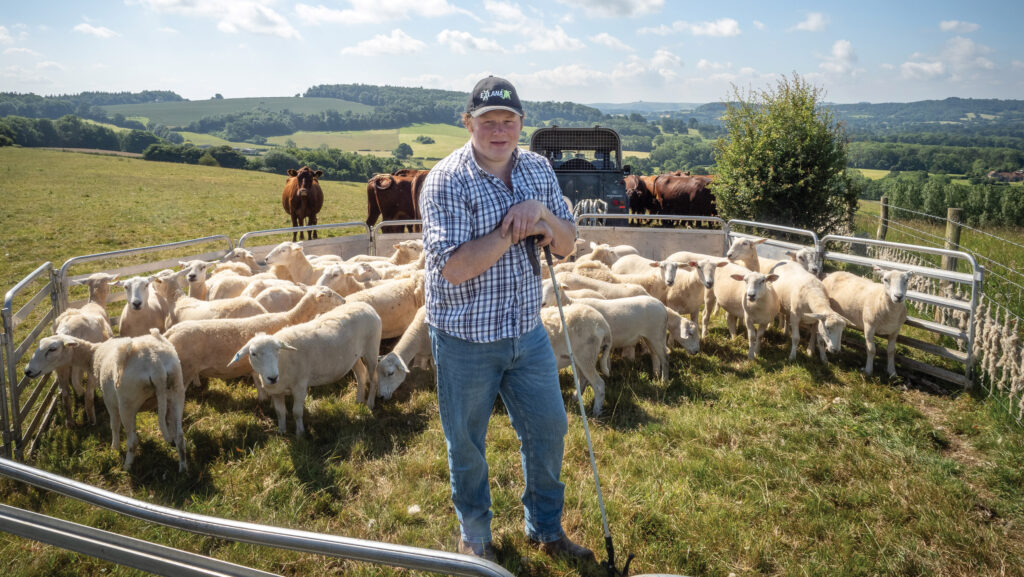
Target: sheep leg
{"points": [[298, 408], [732, 322], [364, 380], [131, 434], [820, 342], [869, 344], [282, 412], [705, 317], [114, 412], [64, 380], [90, 397], [589, 375], [752, 337], [261, 393], [177, 413], [891, 350], [794, 329]]}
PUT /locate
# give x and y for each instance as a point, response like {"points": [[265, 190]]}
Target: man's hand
{"points": [[522, 221]]}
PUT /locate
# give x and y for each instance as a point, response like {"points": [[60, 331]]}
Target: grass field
{"points": [[180, 113], [764, 467]]}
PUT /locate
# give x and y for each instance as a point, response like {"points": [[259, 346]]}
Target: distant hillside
{"points": [[181, 113], [644, 108]]}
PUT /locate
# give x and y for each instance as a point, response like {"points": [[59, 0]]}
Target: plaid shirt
{"points": [[460, 202]]}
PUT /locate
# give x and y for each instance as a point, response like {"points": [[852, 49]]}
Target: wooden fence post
{"points": [[883, 222], [953, 218]]}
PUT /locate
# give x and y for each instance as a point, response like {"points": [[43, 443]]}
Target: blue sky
{"points": [[579, 50]]}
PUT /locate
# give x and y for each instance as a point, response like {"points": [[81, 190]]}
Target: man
{"points": [[483, 308]]}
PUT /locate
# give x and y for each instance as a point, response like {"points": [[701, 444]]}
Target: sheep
{"points": [[610, 290], [395, 301], [258, 284], [145, 308], [809, 259], [277, 299], [548, 293], [185, 308], [406, 251], [291, 257], [195, 272], [634, 320], [683, 332], [414, 345], [591, 339], [345, 279], [747, 295], [317, 352], [875, 308], [606, 253], [691, 289], [92, 323], [803, 301], [205, 347], [656, 283], [130, 371], [744, 252], [242, 256]]}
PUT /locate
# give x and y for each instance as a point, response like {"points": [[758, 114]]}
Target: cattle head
{"points": [[895, 283], [306, 177]]}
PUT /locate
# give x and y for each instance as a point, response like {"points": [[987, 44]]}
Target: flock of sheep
{"points": [[296, 321]]}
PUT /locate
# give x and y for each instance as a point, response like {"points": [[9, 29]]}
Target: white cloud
{"points": [[97, 31], [398, 43], [610, 41], [815, 22], [461, 42], [958, 26], [505, 18], [758, 24], [1017, 65], [723, 27], [49, 65], [5, 36], [377, 11], [842, 61], [24, 51], [553, 39], [965, 55], [614, 8], [168, 30], [706, 65], [232, 16], [922, 70]]}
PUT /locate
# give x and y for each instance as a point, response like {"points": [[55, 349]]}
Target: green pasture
{"points": [[200, 139], [730, 466], [375, 141], [181, 113]]}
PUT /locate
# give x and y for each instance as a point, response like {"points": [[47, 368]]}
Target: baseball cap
{"points": [[493, 93]]}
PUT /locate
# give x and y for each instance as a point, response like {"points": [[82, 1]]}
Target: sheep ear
{"points": [[760, 240], [818, 316], [772, 277], [593, 245], [656, 264], [287, 347], [791, 255], [241, 354], [738, 277], [292, 172], [877, 269], [722, 263]]}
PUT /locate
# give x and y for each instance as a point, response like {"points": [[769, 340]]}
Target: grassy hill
{"points": [[179, 114], [764, 467]]}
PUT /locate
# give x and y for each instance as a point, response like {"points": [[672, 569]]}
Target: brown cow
{"points": [[689, 195], [638, 190], [303, 198], [395, 196]]}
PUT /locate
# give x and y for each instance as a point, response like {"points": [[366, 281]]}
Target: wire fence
{"points": [[998, 348]]}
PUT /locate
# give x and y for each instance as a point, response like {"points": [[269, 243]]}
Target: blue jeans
{"points": [[470, 376]]}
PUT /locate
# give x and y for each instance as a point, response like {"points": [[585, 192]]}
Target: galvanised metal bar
{"points": [[62, 276], [294, 229], [9, 405], [120, 549], [305, 541], [646, 217], [777, 228]]}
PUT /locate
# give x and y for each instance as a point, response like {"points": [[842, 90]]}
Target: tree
{"points": [[402, 151], [783, 160]]}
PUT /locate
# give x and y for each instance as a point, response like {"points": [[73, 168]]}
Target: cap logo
{"points": [[503, 94]]}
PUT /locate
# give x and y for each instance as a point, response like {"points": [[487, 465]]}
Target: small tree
{"points": [[783, 160], [402, 151]]}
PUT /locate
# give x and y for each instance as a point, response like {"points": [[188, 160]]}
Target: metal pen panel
{"points": [[281, 538]]}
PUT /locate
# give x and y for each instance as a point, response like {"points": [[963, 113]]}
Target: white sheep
{"points": [[743, 251], [317, 352], [396, 302], [242, 256], [591, 339], [656, 282], [747, 295], [606, 253], [692, 287], [195, 272], [92, 323], [346, 279], [277, 299], [809, 259], [291, 257], [683, 332], [412, 349], [130, 371], [609, 290], [406, 251], [206, 347], [145, 308], [803, 301], [875, 308], [185, 308], [633, 321]]}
